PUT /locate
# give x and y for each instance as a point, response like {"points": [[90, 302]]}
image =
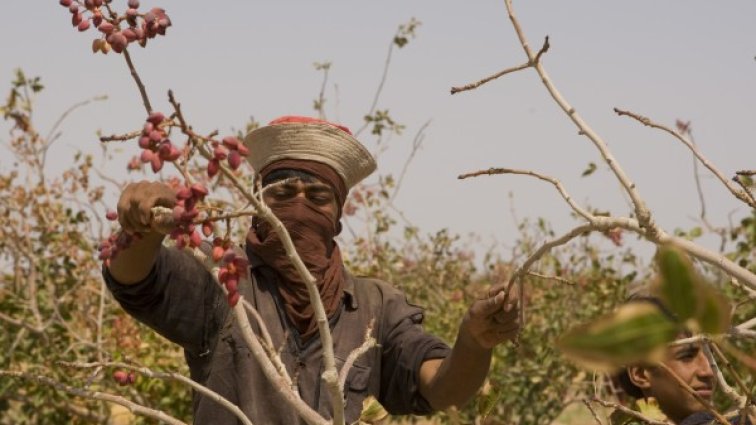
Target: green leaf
{"points": [[677, 287], [619, 417], [588, 171], [713, 313], [686, 294], [695, 233], [633, 333], [372, 411]]}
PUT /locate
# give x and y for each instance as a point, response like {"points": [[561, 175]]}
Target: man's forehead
{"points": [[286, 175], [307, 182]]}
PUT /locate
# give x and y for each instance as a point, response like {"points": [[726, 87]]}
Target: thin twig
{"points": [[631, 412], [121, 137], [166, 376], [562, 191], [528, 64], [268, 345], [416, 143], [374, 104], [368, 343], [97, 395], [642, 212], [556, 278], [52, 136], [730, 368], [475, 85], [723, 384], [138, 81], [593, 412], [277, 382], [743, 195]]}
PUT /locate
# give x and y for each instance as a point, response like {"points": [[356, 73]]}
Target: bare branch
{"points": [[723, 384], [741, 400], [167, 376], [528, 64], [546, 247], [593, 412], [137, 80], [631, 412], [121, 137], [747, 325], [743, 195], [416, 143], [641, 210], [562, 191], [369, 342], [475, 85], [96, 395], [277, 381], [384, 75], [556, 278], [268, 345]]}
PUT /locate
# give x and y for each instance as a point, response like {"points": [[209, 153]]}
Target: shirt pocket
{"points": [[355, 390]]}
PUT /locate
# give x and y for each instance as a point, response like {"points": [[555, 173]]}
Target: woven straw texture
{"points": [[311, 141]]}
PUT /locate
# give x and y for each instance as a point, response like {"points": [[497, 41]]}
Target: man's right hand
{"points": [[133, 264], [136, 202]]}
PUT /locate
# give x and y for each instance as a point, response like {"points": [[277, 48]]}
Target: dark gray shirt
{"points": [[180, 300]]}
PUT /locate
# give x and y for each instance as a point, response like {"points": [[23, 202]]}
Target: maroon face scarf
{"points": [[312, 232]]}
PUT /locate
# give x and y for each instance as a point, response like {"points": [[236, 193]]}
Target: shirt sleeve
{"points": [[405, 346], [178, 299]]}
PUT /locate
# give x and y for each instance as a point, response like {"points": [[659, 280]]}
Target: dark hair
{"points": [[287, 173], [622, 378]]}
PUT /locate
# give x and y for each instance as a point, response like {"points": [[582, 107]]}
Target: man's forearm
{"points": [[134, 263], [454, 380]]}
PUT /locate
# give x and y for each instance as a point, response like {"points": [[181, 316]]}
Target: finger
{"points": [[495, 289], [492, 305], [144, 212], [128, 218], [513, 300], [505, 316]]}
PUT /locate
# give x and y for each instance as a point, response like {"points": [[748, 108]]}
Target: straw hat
{"points": [[294, 137]]}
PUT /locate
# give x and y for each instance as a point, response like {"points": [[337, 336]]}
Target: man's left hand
{"points": [[493, 320]]}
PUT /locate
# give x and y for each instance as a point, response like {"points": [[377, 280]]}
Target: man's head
{"points": [[315, 153], [687, 361]]}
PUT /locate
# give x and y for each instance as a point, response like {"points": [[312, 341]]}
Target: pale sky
{"points": [[228, 60]]}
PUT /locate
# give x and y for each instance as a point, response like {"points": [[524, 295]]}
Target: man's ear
{"points": [[640, 377]]}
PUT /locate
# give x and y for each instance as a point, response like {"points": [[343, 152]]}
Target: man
{"points": [[690, 364], [315, 163]]}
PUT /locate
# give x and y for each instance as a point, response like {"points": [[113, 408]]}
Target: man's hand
{"points": [[455, 379], [136, 202], [134, 263], [492, 320]]}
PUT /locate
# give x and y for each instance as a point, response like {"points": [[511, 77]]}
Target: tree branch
{"points": [[369, 342], [631, 412], [138, 81], [96, 395], [562, 191], [740, 194], [528, 64], [641, 210]]}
